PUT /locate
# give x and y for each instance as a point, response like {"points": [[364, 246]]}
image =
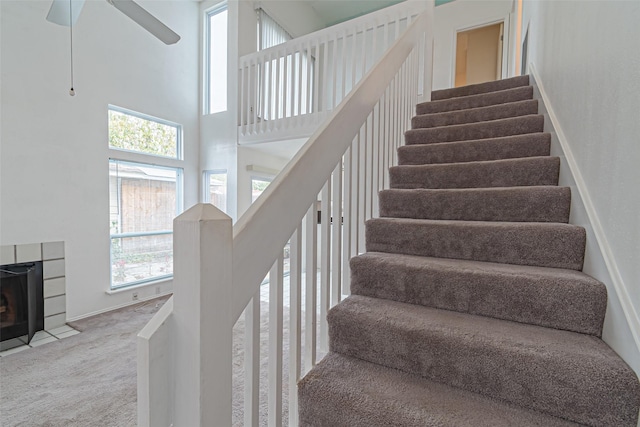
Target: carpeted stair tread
{"points": [[550, 297], [474, 115], [478, 88], [545, 203], [470, 307], [527, 171], [342, 391], [465, 132], [476, 101], [522, 243], [507, 147], [560, 373]]}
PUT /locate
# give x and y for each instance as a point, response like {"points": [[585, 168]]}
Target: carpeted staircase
{"points": [[469, 307]]}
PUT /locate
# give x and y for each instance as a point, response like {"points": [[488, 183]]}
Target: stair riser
{"points": [[492, 129], [476, 115], [533, 204], [476, 101], [582, 391], [543, 245], [566, 302], [479, 88], [529, 145], [506, 173]]}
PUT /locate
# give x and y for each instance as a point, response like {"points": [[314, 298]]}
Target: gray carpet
{"points": [[89, 380], [85, 380], [469, 307]]}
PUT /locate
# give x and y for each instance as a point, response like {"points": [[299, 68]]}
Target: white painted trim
{"points": [[117, 307], [262, 170], [141, 285], [155, 369], [484, 23], [619, 286]]}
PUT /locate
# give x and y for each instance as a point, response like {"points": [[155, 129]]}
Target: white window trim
{"points": [[259, 176], [206, 179], [179, 145], [153, 160], [218, 8], [179, 208]]}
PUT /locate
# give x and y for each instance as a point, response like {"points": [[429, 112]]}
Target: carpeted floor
{"points": [[90, 379], [85, 380]]}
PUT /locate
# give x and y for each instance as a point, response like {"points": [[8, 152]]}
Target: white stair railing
{"points": [[295, 85], [219, 269]]}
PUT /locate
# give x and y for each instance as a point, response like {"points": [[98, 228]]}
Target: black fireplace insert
{"points": [[21, 300]]}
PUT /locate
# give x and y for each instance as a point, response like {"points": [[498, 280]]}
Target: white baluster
{"points": [[311, 274], [316, 78], [295, 322], [299, 87], [355, 195], [375, 161], [334, 64], [325, 267], [275, 343], [343, 64], [354, 61], [347, 221], [277, 116], [285, 80], [362, 192], [325, 78], [252, 362], [336, 235]]}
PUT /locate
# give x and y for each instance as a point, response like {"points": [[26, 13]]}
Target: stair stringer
{"points": [[621, 330]]}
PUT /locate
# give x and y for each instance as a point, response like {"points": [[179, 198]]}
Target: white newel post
{"points": [[202, 317]]}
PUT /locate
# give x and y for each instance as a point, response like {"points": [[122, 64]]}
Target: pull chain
{"points": [[72, 92]]}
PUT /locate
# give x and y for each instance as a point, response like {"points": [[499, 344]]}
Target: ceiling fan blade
{"points": [[59, 12], [146, 20]]}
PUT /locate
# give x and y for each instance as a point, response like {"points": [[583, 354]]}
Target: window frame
{"points": [[259, 177], [218, 8], [206, 183], [149, 160], [179, 208], [179, 137]]}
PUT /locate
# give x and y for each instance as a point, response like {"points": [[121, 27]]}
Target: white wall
{"points": [[54, 148], [586, 58], [459, 15]]}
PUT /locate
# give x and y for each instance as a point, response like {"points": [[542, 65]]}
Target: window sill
{"points": [[141, 285]]}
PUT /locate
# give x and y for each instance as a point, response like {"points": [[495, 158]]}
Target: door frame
{"points": [[485, 23]]}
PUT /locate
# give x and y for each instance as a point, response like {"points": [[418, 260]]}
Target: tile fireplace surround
{"points": [[53, 273]]}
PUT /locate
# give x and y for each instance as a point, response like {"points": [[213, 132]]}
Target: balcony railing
{"points": [[292, 87]]}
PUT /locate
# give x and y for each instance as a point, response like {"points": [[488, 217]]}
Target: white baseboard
{"points": [[126, 304], [621, 332]]}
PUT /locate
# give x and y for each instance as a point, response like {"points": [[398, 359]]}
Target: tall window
{"points": [[143, 198], [216, 80], [215, 188]]}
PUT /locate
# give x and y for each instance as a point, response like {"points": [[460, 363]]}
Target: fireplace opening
{"points": [[21, 300]]}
